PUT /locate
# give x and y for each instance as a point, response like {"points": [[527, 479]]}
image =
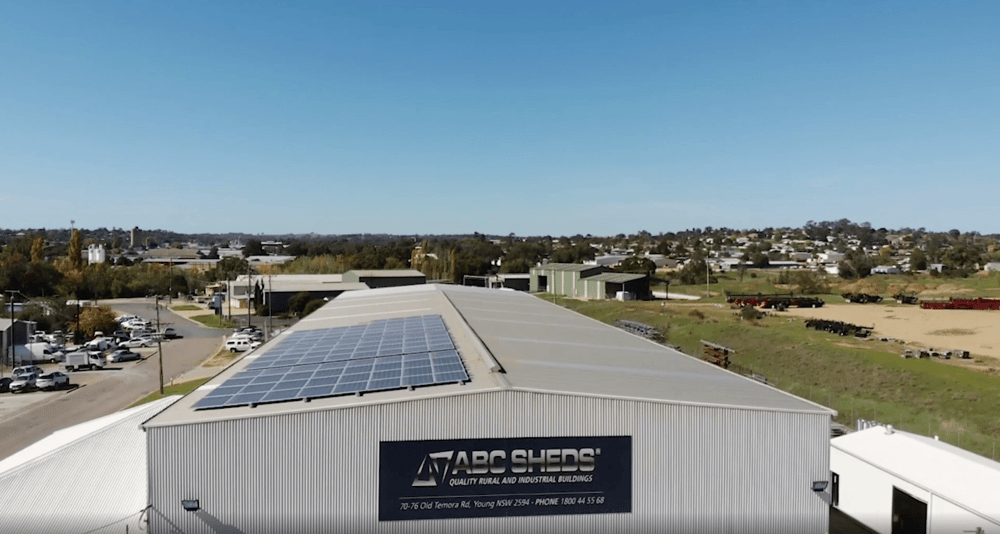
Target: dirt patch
{"points": [[222, 358], [977, 331], [952, 332]]}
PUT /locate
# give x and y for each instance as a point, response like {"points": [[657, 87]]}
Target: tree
{"points": [[694, 273], [855, 265], [97, 319], [918, 262], [312, 306], [297, 304], [38, 249], [253, 248], [635, 264], [75, 251], [229, 268]]}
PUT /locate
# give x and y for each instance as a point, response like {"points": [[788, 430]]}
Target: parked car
{"points": [[52, 380], [5, 384], [136, 342], [238, 344], [123, 355], [23, 382], [26, 369]]}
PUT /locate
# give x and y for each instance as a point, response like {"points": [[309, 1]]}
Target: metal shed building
{"points": [[895, 481], [386, 277], [552, 422]]}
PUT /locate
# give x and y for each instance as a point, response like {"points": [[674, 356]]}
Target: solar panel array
{"points": [[378, 356]]}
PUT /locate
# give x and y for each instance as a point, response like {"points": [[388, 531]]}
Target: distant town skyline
{"points": [[534, 119]]}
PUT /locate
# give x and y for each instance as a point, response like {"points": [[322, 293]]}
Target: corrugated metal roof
{"points": [[616, 278], [956, 474], [540, 346], [388, 273], [573, 267], [294, 286], [87, 478]]}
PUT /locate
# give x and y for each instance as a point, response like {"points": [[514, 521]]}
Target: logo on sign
{"points": [[436, 467], [431, 470]]}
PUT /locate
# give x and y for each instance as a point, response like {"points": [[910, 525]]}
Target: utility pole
{"points": [[248, 292], [270, 295], [159, 341], [10, 337]]}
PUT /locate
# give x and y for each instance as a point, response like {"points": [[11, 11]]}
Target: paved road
{"points": [[108, 391]]}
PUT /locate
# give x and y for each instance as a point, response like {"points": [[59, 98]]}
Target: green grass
{"points": [[213, 321], [185, 307], [858, 378], [177, 389]]}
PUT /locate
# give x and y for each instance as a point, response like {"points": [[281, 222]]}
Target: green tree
{"points": [[229, 268], [636, 264], [312, 306], [253, 248], [694, 273], [297, 304], [918, 261]]}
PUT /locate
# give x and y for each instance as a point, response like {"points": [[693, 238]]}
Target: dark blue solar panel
{"points": [[379, 356]]}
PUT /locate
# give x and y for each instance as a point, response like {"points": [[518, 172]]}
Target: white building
{"points": [[895, 481], [88, 478], [438, 409], [885, 269], [95, 254]]}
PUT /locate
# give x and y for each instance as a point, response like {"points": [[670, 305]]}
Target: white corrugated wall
{"points": [[695, 469]]}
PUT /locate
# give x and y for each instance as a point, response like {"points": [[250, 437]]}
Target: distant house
{"points": [[992, 267], [885, 269], [831, 257]]}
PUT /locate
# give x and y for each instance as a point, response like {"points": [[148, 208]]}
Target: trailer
{"points": [[862, 298], [777, 301], [961, 304]]}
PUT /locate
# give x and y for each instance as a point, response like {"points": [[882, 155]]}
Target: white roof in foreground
{"points": [[87, 478], [945, 470], [512, 340]]}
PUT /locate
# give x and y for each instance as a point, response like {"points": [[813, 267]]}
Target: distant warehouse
{"points": [[452, 409], [586, 281]]}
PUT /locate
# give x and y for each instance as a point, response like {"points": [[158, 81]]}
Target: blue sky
{"points": [[524, 117]]}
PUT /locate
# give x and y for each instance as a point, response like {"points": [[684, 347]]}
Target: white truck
{"points": [[84, 359], [98, 343], [36, 352]]}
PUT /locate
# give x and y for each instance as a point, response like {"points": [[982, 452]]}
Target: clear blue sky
{"points": [[498, 117]]}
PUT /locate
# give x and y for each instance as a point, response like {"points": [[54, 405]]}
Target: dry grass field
{"points": [[975, 331]]}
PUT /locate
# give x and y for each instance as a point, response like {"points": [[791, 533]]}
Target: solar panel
{"points": [[381, 355]]}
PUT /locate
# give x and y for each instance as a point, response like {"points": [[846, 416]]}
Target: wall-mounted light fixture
{"points": [[819, 485], [191, 505]]}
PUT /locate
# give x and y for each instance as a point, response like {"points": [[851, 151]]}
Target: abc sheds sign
{"points": [[443, 479]]}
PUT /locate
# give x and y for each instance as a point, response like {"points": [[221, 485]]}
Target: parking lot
{"points": [[14, 403], [30, 416]]}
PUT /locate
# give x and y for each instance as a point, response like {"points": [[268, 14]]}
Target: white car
{"points": [[27, 369], [123, 355], [52, 380], [24, 382], [136, 342]]}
